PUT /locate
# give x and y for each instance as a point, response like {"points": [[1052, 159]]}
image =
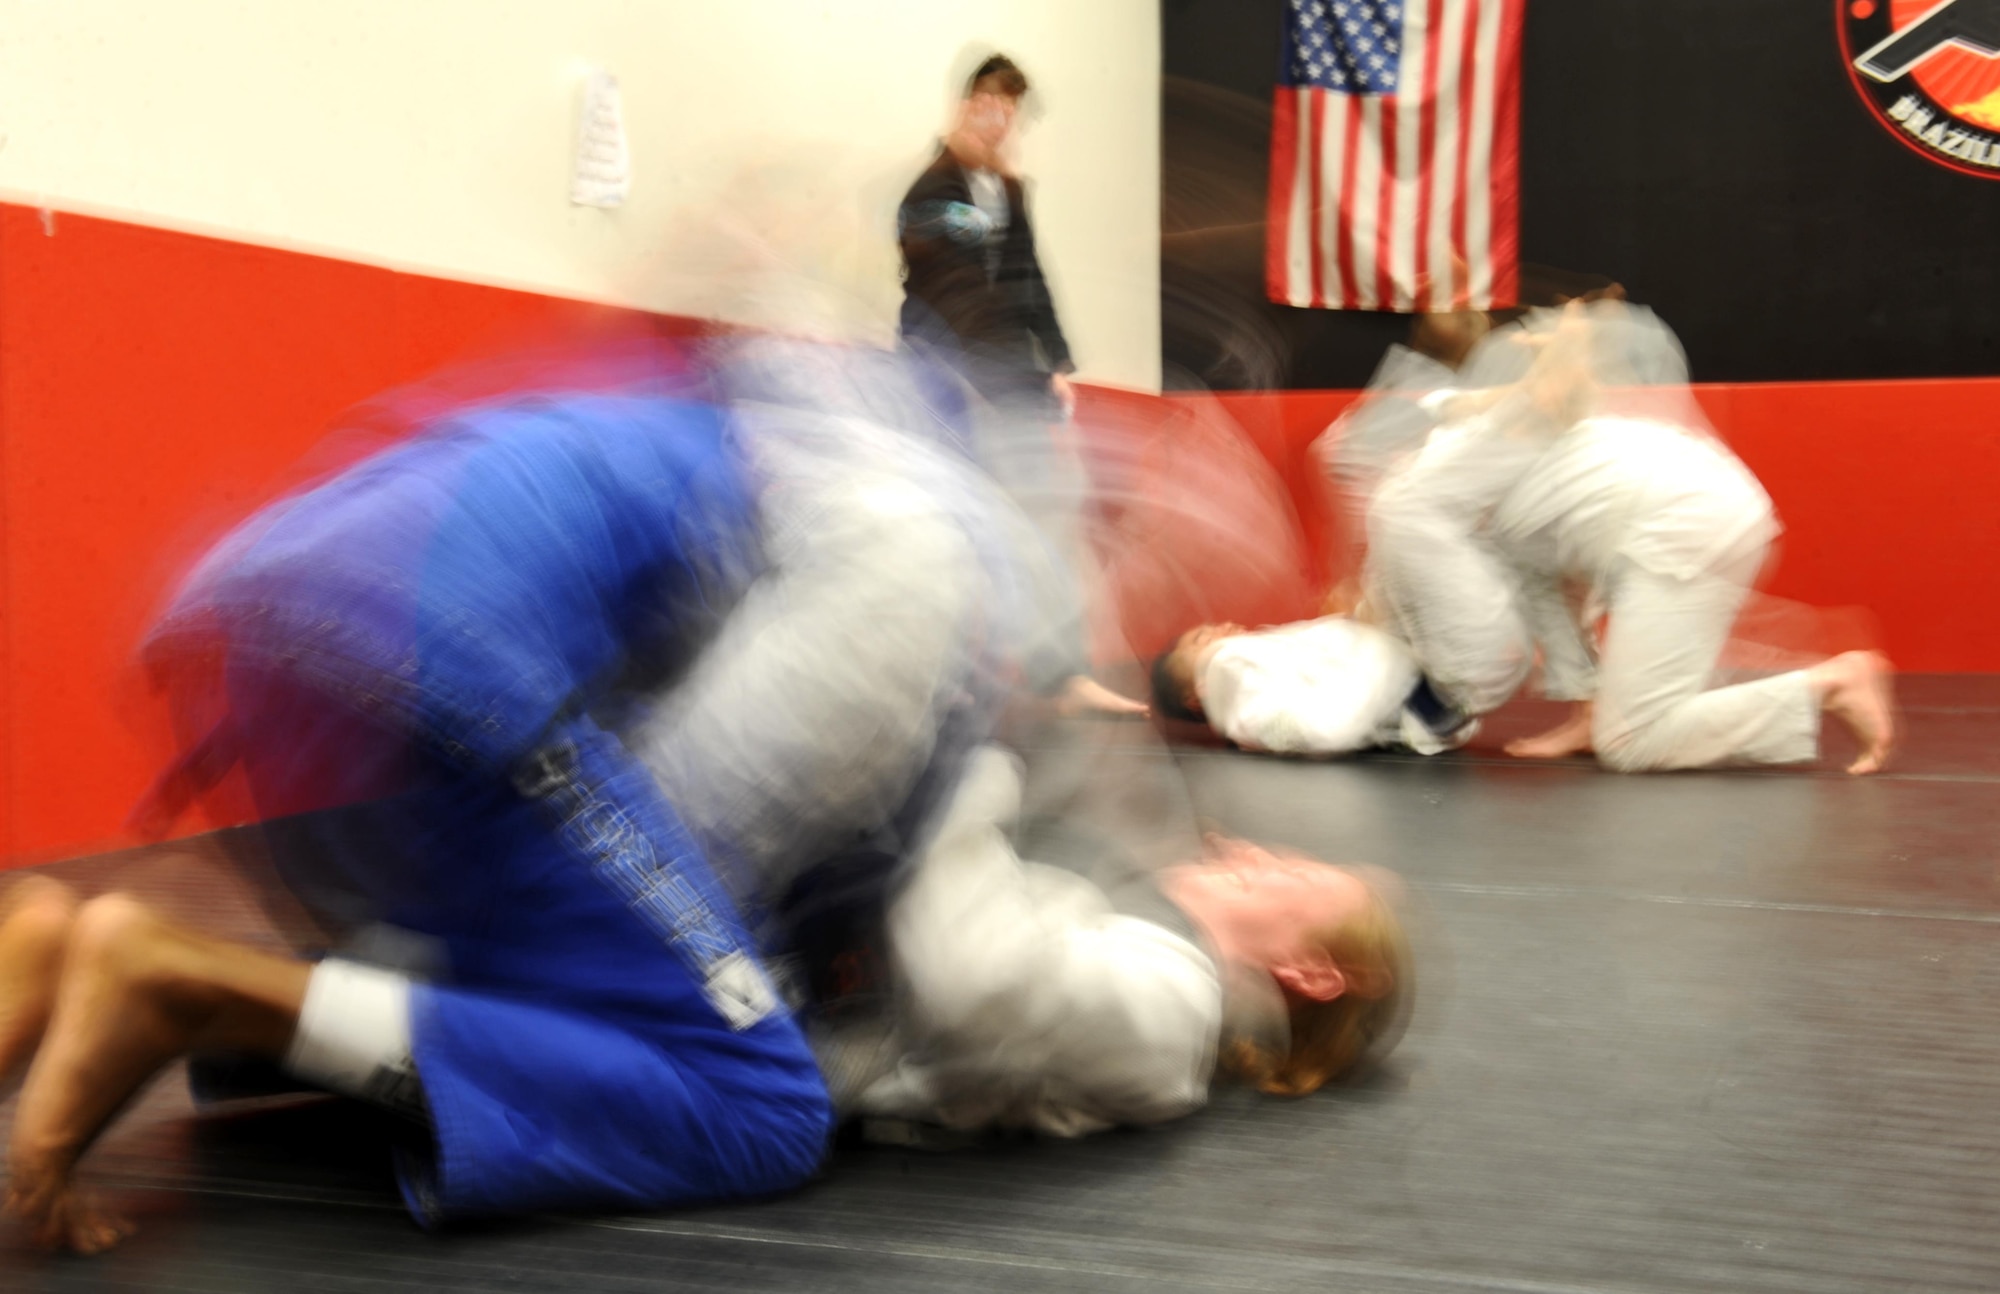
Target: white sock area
{"points": [[353, 1035]]}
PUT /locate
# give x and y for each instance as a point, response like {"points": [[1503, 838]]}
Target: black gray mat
{"points": [[1729, 1031]]}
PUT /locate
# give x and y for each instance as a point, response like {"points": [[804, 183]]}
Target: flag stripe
{"points": [[1467, 88], [1479, 187], [1350, 154], [1283, 250], [1362, 203], [1411, 97], [1427, 180], [1333, 154], [1309, 159], [1447, 253], [1505, 166], [1387, 182]]}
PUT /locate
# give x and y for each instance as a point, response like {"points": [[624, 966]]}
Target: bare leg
{"points": [[1854, 688], [35, 918], [136, 992], [1570, 737]]}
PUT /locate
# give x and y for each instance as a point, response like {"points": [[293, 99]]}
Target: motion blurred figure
{"points": [[973, 285], [811, 743], [833, 746], [1329, 686], [975, 297], [421, 659], [1569, 469], [1420, 484], [1028, 1001], [581, 687], [1669, 531]]}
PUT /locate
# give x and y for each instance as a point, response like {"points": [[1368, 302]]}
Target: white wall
{"points": [[437, 135]]}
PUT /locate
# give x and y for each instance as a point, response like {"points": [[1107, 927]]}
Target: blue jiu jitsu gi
{"points": [[439, 632]]}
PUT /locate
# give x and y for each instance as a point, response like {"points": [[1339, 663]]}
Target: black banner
{"points": [[1713, 156]]}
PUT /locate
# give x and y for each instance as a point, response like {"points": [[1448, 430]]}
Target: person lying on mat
{"points": [[1329, 686], [1025, 1001], [831, 747]]}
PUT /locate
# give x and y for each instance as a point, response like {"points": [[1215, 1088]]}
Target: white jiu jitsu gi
{"points": [[1671, 530], [1431, 570], [1028, 1002], [1320, 687]]}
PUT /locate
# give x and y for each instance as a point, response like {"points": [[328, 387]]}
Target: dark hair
{"points": [[1007, 79], [1168, 697]]}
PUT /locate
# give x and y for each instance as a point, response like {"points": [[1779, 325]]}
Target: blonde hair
{"points": [[1331, 1040]]}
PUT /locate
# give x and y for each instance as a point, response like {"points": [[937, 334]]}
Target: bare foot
{"points": [[35, 917], [61, 1217], [1570, 737], [1085, 695], [103, 1040], [135, 993], [1854, 688]]}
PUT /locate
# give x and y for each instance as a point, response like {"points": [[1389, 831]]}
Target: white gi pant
{"points": [[1656, 709], [1038, 465], [1443, 588], [1025, 1000]]}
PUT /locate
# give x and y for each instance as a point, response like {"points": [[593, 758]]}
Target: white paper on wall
{"points": [[603, 175]]}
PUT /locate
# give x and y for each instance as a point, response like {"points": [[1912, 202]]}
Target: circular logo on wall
{"points": [[1930, 71]]}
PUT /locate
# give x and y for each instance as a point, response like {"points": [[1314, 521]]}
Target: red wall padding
{"points": [[1886, 491], [1885, 488], [156, 386]]}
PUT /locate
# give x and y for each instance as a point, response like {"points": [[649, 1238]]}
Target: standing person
{"points": [[975, 296], [973, 285]]}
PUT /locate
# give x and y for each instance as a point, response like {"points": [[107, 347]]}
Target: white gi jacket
{"points": [[1319, 687], [812, 715], [1027, 1002], [1673, 500], [1617, 490]]}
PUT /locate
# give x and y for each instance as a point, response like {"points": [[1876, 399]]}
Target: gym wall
{"points": [[1837, 293], [221, 225]]}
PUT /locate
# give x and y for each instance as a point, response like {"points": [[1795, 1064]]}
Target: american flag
{"points": [[1395, 155]]}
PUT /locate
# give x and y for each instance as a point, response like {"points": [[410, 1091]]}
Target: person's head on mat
{"points": [[1330, 939], [1177, 671]]}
